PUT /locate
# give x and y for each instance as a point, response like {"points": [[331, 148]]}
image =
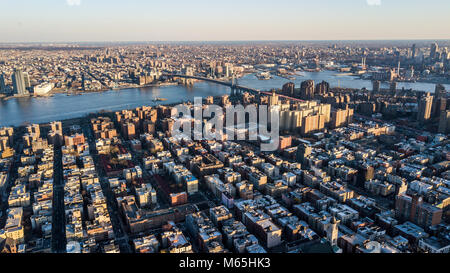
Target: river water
{"points": [[16, 111]]}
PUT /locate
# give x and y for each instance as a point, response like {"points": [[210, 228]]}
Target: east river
{"points": [[17, 111]]}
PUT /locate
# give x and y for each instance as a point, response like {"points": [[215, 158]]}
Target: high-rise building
{"points": [[307, 117], [26, 78], [288, 89], [392, 74], [228, 70], [34, 129], [413, 51], [56, 126], [444, 122], [290, 120], [307, 90], [341, 117], [21, 82], [129, 130], [445, 55], [410, 73], [83, 81], [376, 86], [439, 101], [2, 84], [55, 136], [425, 105], [393, 87], [440, 91], [322, 88], [434, 51]]}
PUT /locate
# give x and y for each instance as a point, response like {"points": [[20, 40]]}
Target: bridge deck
{"points": [[240, 87]]}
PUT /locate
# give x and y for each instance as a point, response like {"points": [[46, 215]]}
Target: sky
{"points": [[225, 20]]}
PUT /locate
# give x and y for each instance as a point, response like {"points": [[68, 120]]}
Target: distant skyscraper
{"points": [[413, 51], [445, 54], [425, 105], [83, 81], [410, 73], [363, 63], [27, 80], [21, 82], [228, 70], [2, 84], [434, 50]]}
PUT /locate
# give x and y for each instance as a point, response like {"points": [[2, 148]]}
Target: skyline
{"points": [[131, 42], [114, 21]]}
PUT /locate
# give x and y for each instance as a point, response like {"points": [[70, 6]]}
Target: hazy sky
{"points": [[194, 20]]}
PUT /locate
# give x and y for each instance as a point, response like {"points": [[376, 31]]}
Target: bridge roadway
{"points": [[229, 84]]}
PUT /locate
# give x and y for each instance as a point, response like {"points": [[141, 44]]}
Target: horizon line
{"points": [[216, 41]]}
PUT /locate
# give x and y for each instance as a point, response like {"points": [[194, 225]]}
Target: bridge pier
{"points": [[238, 91]]}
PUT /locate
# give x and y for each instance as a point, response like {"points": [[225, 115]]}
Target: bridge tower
{"points": [[234, 83]]}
